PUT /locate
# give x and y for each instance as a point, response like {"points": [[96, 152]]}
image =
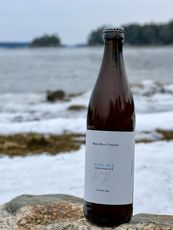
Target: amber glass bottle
{"points": [[109, 162]]}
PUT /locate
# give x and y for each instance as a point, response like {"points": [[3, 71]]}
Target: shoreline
{"points": [[9, 47]]}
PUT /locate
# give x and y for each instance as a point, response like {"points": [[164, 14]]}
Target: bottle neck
{"points": [[113, 53]]}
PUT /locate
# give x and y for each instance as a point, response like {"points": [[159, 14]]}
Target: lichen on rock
{"points": [[64, 212]]}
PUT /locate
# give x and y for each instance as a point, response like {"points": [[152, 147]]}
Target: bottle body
{"points": [[110, 142]]}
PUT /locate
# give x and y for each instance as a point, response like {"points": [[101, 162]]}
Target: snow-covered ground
{"points": [[64, 173]]}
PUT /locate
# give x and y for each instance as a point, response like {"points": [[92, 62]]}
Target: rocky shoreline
{"points": [[64, 212]]}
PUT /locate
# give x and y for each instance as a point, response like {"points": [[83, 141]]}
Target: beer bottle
{"points": [[109, 160]]}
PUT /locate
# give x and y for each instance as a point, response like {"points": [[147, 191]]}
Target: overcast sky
{"points": [[72, 20]]}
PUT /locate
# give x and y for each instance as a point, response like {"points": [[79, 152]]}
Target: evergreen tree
{"points": [[135, 34], [46, 41]]}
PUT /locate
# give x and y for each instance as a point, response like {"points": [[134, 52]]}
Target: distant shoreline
{"points": [[16, 45]]}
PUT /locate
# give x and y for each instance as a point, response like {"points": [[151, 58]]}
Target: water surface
{"points": [[76, 69]]}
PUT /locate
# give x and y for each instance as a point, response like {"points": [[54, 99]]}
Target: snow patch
{"points": [[64, 173]]}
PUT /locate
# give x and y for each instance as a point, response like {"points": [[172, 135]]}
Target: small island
{"points": [[46, 41]]}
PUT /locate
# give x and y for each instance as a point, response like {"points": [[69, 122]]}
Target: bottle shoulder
{"points": [[112, 93], [111, 108]]}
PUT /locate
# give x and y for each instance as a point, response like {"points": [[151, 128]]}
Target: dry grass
{"points": [[166, 135], [34, 143], [144, 140]]}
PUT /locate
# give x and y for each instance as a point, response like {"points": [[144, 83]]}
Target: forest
{"points": [[136, 34]]}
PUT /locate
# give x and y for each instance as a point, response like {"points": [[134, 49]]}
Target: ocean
{"points": [[76, 69]]}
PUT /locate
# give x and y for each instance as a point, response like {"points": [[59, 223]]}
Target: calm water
{"points": [[76, 69]]}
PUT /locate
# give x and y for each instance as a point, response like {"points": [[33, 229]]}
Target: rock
{"points": [[64, 212], [60, 95], [57, 95], [76, 107], [34, 212], [7, 221]]}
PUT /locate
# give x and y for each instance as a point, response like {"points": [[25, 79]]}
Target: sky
{"points": [[73, 20]]}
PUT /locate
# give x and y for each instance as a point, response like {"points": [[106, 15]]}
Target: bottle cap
{"points": [[110, 32], [110, 29]]}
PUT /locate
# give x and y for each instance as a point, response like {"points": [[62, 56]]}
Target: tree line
{"points": [[135, 34]]}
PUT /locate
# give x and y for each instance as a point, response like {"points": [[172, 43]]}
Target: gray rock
{"points": [[29, 200], [162, 220], [57, 95], [64, 212], [7, 221]]}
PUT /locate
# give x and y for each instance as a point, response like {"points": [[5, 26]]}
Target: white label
{"points": [[109, 167]]}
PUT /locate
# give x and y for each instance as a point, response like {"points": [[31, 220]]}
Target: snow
{"points": [[169, 88], [153, 178], [153, 121], [32, 113], [51, 126], [64, 173], [42, 174], [154, 103], [34, 107], [144, 122]]}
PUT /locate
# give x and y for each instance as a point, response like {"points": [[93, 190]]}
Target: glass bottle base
{"points": [[107, 215]]}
